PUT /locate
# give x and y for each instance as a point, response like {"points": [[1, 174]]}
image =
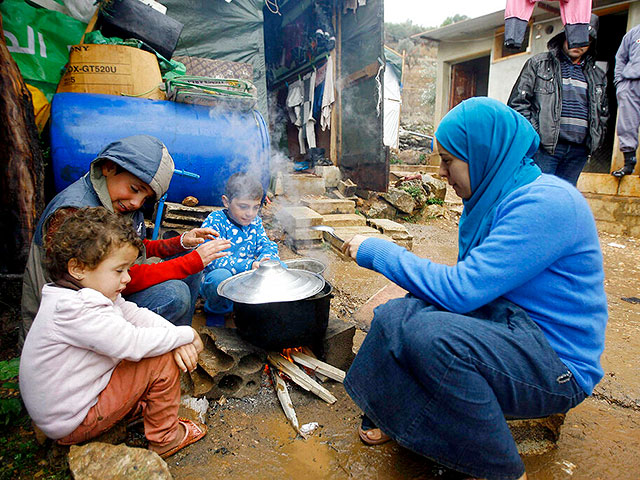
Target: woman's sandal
{"points": [[370, 434], [192, 433]]}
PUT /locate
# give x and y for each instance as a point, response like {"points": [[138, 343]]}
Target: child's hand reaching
{"points": [[186, 356], [257, 263], [213, 250], [196, 236]]}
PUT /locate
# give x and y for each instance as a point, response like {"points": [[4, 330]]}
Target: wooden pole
{"points": [[21, 166]]}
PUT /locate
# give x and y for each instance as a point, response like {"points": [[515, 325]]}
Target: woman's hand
{"points": [[186, 356], [197, 236], [213, 250], [350, 247]]}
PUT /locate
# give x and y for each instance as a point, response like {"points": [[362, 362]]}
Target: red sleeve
{"points": [[148, 274], [163, 248]]}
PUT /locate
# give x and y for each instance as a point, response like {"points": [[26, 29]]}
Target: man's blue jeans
{"points": [[441, 384], [567, 161], [174, 300]]}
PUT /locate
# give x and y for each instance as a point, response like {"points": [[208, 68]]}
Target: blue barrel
{"points": [[212, 142]]}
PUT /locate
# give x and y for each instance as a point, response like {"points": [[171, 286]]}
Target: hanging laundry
{"points": [[575, 16], [300, 107], [353, 5], [328, 96]]}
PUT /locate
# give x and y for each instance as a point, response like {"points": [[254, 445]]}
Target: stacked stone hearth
{"points": [[232, 367]]}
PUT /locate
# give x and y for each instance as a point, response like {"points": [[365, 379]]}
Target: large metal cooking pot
{"points": [[278, 308]]}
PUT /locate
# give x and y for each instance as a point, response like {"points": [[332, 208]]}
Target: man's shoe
{"points": [[626, 170]]}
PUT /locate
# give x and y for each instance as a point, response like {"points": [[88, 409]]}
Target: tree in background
{"points": [[455, 19], [418, 94]]}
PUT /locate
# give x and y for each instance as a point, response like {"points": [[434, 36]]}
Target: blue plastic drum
{"points": [[211, 142]]}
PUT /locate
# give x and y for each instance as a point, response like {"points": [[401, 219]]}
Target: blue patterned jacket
{"points": [[248, 244]]}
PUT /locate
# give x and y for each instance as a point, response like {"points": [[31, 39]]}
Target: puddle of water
{"points": [[252, 439]]}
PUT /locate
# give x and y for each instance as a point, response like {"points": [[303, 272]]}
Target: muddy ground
{"points": [[250, 437]]}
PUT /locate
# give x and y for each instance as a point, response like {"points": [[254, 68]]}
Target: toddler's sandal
{"points": [[193, 432]]}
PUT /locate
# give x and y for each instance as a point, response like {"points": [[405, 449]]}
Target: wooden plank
{"points": [[299, 377], [319, 366], [285, 400], [369, 71]]}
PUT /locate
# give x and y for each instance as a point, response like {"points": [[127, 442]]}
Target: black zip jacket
{"points": [[537, 95]]}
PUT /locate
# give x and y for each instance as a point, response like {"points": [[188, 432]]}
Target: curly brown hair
{"points": [[88, 235]]}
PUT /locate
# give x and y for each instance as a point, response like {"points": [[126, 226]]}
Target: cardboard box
{"points": [[112, 69]]}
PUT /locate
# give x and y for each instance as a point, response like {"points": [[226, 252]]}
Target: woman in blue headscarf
{"points": [[514, 329]]}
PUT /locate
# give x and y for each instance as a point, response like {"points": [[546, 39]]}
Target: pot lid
{"points": [[271, 282]]}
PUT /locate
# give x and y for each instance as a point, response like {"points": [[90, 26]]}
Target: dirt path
{"points": [[250, 438]]}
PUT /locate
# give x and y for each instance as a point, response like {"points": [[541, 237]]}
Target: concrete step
{"points": [[297, 185], [388, 227], [404, 170], [615, 203], [325, 206], [343, 220], [297, 218]]}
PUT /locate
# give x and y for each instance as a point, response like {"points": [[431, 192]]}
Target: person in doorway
{"points": [[121, 178], [514, 329], [91, 358], [562, 93], [239, 223], [627, 81]]}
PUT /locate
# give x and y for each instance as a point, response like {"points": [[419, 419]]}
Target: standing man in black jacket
{"points": [[563, 94]]}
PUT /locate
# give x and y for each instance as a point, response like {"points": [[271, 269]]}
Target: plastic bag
{"points": [[169, 68], [38, 40], [81, 10]]}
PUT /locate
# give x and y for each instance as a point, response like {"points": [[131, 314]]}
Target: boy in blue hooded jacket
{"points": [[121, 178]]}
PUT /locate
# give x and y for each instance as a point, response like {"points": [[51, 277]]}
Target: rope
{"points": [[140, 94], [379, 89], [273, 7]]}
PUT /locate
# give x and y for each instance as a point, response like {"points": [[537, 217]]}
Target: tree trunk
{"points": [[21, 166]]}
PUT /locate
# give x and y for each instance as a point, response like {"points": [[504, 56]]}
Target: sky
{"points": [[431, 13]]}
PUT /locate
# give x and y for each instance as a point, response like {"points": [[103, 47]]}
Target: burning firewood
{"points": [[318, 366], [299, 377], [285, 400]]}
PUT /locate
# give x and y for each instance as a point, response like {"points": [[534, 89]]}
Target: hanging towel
{"points": [[300, 108], [328, 96]]}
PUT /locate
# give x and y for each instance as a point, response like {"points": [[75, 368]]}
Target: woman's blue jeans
{"points": [[174, 300], [214, 303], [441, 384]]}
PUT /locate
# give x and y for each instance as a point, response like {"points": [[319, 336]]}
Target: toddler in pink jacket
{"points": [[91, 358]]}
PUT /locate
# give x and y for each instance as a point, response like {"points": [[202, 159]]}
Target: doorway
{"points": [[469, 79], [612, 29]]}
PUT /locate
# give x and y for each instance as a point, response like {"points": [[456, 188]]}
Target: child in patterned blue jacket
{"points": [[240, 223]]}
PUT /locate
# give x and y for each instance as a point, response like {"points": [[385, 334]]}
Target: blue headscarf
{"points": [[497, 143]]}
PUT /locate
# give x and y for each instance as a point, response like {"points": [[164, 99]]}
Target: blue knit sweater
{"points": [[248, 243], [542, 253]]}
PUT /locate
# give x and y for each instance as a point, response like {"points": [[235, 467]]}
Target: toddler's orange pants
{"points": [[151, 385]]}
